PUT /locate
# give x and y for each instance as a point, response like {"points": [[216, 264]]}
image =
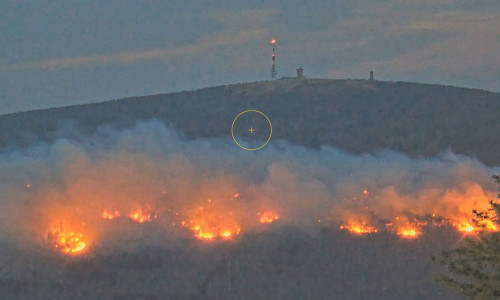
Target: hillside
{"points": [[353, 115], [144, 199]]}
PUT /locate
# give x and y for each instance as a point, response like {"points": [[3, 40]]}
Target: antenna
{"points": [[273, 57]]}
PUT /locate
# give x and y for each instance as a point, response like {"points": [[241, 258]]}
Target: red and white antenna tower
{"points": [[273, 57]]}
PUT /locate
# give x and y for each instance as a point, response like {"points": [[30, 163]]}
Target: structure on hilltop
{"points": [[273, 57], [300, 73]]}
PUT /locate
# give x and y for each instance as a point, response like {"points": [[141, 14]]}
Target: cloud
{"points": [[244, 19], [465, 45], [220, 40], [457, 22]]}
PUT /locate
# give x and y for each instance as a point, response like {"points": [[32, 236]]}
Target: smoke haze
{"points": [[177, 184]]}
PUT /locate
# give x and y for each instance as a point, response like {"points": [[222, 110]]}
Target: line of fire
{"points": [[210, 221]]}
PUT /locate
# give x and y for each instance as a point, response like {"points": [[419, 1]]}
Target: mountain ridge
{"points": [[357, 116]]}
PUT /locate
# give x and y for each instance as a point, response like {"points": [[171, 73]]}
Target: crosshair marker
{"points": [[252, 129]]}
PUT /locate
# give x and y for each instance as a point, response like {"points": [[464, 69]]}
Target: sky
{"points": [[58, 53]]}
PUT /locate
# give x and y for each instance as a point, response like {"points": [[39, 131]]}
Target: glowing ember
{"points": [[68, 242], [268, 217], [358, 228], [109, 215]]}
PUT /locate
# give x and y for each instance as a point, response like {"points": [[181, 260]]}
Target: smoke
{"points": [[175, 184]]}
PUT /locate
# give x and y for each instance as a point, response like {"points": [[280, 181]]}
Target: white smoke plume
{"points": [[211, 188]]}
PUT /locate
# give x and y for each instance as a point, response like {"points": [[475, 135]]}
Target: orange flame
{"points": [[214, 219], [408, 232], [226, 234], [138, 217], [483, 225], [204, 234], [141, 216], [358, 228], [490, 226], [464, 227], [268, 217], [68, 242]]}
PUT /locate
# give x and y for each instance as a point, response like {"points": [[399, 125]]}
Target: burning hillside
{"points": [[120, 192], [210, 190]]}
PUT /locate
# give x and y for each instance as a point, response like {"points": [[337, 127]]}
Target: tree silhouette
{"points": [[474, 268]]}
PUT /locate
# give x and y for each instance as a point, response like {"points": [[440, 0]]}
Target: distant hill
{"points": [[353, 115]]}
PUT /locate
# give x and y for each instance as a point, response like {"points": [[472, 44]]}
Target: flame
{"points": [[412, 228], [138, 217], [490, 226], [409, 229], [465, 227], [213, 219], [273, 41], [68, 242], [408, 232], [141, 216], [268, 217], [207, 234], [110, 215], [482, 225], [358, 227]]}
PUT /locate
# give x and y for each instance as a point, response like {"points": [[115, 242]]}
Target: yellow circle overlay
{"points": [[270, 134]]}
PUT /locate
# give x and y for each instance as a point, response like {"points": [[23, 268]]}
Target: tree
{"points": [[474, 268]]}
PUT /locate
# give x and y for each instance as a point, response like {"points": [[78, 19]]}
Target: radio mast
{"points": [[273, 57]]}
